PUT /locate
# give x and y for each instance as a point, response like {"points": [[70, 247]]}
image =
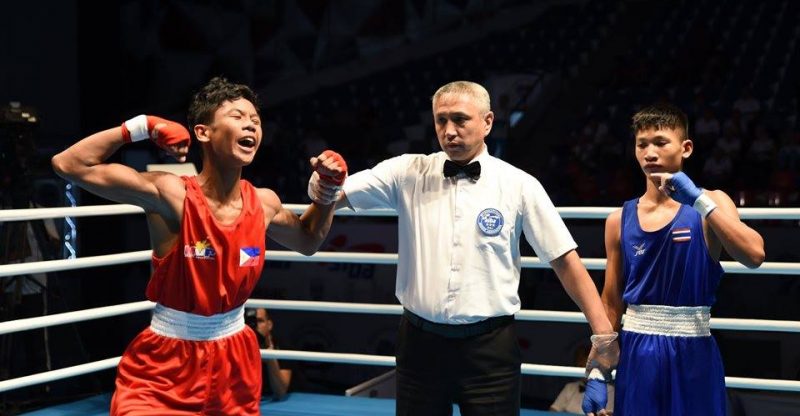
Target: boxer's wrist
{"points": [[704, 205], [135, 129], [165, 133], [319, 194], [323, 199], [603, 357], [601, 339], [596, 374]]}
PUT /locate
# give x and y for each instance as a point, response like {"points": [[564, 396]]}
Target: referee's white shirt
{"points": [[458, 262]]}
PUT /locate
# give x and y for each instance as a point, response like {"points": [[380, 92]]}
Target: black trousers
{"points": [[480, 373]]}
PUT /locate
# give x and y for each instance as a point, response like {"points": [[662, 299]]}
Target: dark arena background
{"points": [[357, 76]]}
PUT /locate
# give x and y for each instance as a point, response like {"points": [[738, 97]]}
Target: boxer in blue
{"points": [[663, 253]]}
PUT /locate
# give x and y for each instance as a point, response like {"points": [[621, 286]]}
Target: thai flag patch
{"points": [[249, 256], [681, 235]]}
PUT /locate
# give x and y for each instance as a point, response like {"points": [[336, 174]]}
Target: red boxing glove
{"points": [[143, 127], [337, 179]]}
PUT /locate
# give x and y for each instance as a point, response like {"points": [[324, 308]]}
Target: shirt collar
{"points": [[482, 156]]}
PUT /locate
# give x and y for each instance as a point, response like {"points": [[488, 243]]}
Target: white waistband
{"points": [[673, 321], [173, 323]]}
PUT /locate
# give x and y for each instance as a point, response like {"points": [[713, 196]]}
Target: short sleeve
{"points": [[543, 227], [376, 187]]}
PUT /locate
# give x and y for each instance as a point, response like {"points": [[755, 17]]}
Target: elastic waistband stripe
{"points": [[674, 321], [173, 323]]}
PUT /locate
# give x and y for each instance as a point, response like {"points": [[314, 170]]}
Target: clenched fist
{"points": [[325, 184], [167, 134]]}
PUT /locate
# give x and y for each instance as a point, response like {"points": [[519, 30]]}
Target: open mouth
{"points": [[247, 142]]}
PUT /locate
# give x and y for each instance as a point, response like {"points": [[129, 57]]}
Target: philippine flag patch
{"points": [[249, 257], [683, 234]]}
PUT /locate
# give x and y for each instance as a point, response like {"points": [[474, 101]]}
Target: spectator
{"points": [[276, 378]]}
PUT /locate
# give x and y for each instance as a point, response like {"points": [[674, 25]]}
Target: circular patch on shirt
{"points": [[490, 221]]}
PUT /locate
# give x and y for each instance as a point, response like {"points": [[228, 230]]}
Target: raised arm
{"points": [[743, 243], [85, 164], [306, 233], [613, 287]]}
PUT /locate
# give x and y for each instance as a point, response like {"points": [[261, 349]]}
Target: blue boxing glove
{"points": [[603, 358], [680, 188], [595, 398]]}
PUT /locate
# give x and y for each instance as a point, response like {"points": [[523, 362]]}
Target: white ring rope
{"points": [[527, 369], [72, 264], [28, 214], [780, 268], [565, 212], [74, 316], [363, 308], [61, 373], [379, 360], [369, 258], [330, 357]]}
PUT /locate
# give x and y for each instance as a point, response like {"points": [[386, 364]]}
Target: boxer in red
{"points": [[208, 236]]}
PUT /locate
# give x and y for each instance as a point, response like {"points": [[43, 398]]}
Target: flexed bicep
{"points": [[85, 164], [740, 241], [120, 183]]}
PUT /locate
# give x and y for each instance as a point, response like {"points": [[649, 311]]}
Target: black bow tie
{"points": [[473, 170]]}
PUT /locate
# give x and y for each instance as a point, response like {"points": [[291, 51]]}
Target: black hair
{"points": [[660, 116], [206, 101]]}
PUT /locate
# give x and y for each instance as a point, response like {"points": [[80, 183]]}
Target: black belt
{"points": [[458, 331]]}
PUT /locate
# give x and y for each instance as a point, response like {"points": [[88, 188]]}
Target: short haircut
{"points": [[660, 116], [211, 97], [473, 89]]}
